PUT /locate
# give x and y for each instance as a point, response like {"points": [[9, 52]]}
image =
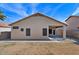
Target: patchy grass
{"points": [[39, 48]]}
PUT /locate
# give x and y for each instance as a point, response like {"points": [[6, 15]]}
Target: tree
{"points": [[2, 16]]}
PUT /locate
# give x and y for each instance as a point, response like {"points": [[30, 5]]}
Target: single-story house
{"points": [[73, 26], [37, 26]]}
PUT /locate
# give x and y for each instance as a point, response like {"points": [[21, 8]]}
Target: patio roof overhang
{"points": [[55, 26]]}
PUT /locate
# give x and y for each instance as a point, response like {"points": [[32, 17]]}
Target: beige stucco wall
{"points": [[73, 23], [59, 31], [36, 24]]}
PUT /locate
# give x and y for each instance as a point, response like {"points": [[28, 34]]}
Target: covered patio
{"points": [[57, 32]]}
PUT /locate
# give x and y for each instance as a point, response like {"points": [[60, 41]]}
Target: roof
{"points": [[4, 25], [37, 14], [70, 17]]}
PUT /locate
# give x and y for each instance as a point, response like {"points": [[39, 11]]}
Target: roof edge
{"points": [[70, 17], [36, 14]]}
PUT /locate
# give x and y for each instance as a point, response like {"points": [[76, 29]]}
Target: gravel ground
{"points": [[65, 47]]}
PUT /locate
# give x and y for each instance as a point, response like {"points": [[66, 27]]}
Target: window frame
{"points": [[15, 27], [44, 31], [28, 34]]}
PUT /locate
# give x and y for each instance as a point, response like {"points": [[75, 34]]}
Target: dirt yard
{"points": [[39, 48]]}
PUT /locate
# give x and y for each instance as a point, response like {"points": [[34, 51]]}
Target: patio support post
{"points": [[64, 32]]}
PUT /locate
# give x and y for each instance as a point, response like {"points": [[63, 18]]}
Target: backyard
{"points": [[66, 47]]}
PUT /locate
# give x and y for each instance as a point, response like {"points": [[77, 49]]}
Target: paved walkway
{"points": [[25, 40], [30, 40]]}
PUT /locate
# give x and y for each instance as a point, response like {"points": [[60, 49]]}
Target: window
{"points": [[28, 32], [22, 29], [15, 27], [44, 31]]}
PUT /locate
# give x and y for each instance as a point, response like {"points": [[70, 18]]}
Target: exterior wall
{"points": [[36, 24], [76, 35], [59, 32], [73, 23], [5, 29], [72, 29]]}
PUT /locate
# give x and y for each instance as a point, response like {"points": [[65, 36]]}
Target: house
{"points": [[4, 27], [73, 26], [5, 30], [37, 26]]}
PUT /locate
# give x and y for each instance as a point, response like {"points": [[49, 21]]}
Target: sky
{"points": [[58, 11]]}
